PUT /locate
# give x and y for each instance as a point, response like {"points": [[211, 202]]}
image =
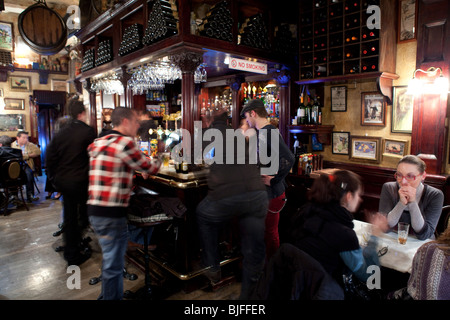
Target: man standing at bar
{"points": [[113, 160], [235, 190], [256, 115], [67, 169]]}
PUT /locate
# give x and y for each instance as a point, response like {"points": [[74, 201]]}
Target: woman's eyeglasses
{"points": [[408, 177]]}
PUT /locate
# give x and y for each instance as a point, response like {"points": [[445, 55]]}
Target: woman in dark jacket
{"points": [[323, 228]]}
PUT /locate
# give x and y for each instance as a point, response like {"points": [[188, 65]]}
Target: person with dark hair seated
{"points": [[323, 228], [7, 153]]}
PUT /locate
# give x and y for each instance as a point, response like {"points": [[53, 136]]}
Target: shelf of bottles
{"points": [[216, 99], [104, 52], [253, 33], [162, 21], [131, 39], [217, 23], [268, 92], [285, 39], [88, 60], [335, 39], [309, 111]]}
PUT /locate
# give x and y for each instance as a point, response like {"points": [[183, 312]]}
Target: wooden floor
{"points": [[31, 269]]}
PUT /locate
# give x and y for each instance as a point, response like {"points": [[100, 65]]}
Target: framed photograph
{"points": [[7, 36], [339, 99], [1, 92], [366, 149], [402, 110], [11, 122], [20, 83], [60, 85], [14, 104], [373, 109], [340, 142], [407, 20], [395, 148]]}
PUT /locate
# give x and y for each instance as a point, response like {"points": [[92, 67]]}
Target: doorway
{"points": [[46, 119]]}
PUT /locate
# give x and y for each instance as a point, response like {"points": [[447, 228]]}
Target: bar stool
{"points": [[146, 292]]}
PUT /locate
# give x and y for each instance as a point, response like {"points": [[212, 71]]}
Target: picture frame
{"points": [[14, 104], [1, 92], [11, 122], [365, 149], [20, 83], [340, 142], [339, 99], [407, 20], [59, 85], [373, 109], [395, 148], [7, 38], [402, 110]]}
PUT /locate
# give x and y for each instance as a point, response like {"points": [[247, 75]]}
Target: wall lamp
{"points": [[431, 84]]}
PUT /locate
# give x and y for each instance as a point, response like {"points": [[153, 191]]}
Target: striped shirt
{"points": [[112, 162]]}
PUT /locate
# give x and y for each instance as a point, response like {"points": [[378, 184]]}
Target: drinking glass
{"points": [[403, 229]]}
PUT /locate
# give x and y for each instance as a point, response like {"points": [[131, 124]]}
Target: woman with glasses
{"points": [[409, 200]]}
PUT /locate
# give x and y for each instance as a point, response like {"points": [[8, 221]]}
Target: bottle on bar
{"points": [[301, 111], [308, 108]]}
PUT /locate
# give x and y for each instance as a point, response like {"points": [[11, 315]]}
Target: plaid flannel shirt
{"points": [[112, 162]]}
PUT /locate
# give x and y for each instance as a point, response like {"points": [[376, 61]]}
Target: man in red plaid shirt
{"points": [[113, 160]]}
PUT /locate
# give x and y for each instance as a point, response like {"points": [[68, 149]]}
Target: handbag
{"points": [[356, 290]]}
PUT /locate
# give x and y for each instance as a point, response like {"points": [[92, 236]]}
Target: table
{"points": [[398, 257]]}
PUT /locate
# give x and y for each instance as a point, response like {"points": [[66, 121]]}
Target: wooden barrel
{"points": [[42, 29]]}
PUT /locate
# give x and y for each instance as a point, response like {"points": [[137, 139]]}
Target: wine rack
{"points": [[253, 33], [104, 52], [88, 60], [284, 41], [131, 39], [218, 23], [162, 22], [334, 39]]}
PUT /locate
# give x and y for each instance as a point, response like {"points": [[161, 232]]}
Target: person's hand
{"points": [[266, 179], [380, 223], [145, 175], [407, 194]]}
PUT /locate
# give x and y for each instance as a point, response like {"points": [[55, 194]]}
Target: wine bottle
{"points": [[320, 71], [301, 111]]}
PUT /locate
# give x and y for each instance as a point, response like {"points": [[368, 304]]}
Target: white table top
{"points": [[398, 257]]}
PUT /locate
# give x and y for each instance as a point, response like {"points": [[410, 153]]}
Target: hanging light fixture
{"points": [[436, 85]]}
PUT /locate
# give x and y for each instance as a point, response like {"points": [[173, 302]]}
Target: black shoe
{"points": [[78, 260], [31, 198]]}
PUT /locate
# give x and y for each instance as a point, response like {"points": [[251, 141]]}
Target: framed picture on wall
{"points": [[340, 141], [7, 36], [407, 20], [373, 109], [366, 149], [339, 99], [20, 83], [60, 85], [402, 110], [14, 104], [395, 148]]}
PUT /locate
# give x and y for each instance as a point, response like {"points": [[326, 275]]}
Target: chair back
{"points": [[12, 173]]}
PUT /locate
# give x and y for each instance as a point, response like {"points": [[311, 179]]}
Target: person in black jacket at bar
{"points": [[68, 170], [235, 190]]}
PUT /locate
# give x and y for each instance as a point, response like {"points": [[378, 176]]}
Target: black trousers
{"points": [[75, 196]]}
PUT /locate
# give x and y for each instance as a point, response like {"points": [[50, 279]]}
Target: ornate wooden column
{"points": [[283, 80], [235, 85], [187, 61], [429, 131], [92, 105]]}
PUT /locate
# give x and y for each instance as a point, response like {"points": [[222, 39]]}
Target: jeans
{"points": [[112, 234], [30, 181], [251, 209]]}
